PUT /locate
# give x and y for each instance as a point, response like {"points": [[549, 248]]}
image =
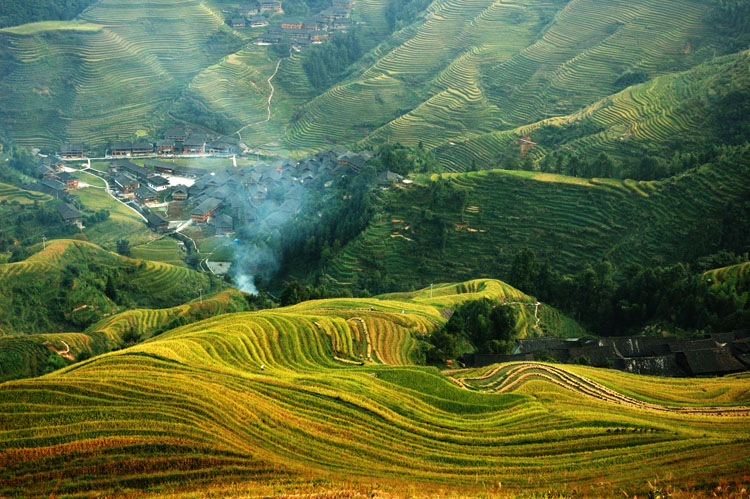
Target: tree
{"points": [[123, 247], [523, 271]]}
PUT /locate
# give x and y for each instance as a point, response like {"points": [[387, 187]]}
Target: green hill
{"points": [[423, 234], [72, 284], [676, 112], [461, 71], [469, 68], [110, 74], [269, 403], [30, 355]]}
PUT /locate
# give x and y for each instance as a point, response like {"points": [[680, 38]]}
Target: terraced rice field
{"points": [[165, 250], [271, 403], [567, 220], [466, 69], [123, 223], [115, 70], [11, 194], [26, 356], [654, 117], [36, 281]]}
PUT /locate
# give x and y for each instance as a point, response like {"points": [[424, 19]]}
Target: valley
{"points": [[374, 248]]}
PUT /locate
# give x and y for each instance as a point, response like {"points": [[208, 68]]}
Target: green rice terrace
{"points": [[458, 72], [70, 285], [568, 220], [325, 398]]}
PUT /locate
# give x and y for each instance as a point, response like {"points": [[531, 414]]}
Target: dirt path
{"points": [[536, 310], [95, 173], [523, 371], [270, 98], [62, 353]]}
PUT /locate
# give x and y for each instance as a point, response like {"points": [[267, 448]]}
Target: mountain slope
{"points": [[570, 221], [71, 284], [473, 67], [674, 112], [259, 402], [109, 74]]}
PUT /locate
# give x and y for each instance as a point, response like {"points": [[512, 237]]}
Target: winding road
{"points": [[270, 98]]}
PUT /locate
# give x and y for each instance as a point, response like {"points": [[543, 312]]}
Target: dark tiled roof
{"points": [[68, 212], [206, 207]]}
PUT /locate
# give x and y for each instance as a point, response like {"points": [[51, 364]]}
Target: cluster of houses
{"points": [[142, 184], [710, 355], [312, 30], [265, 194], [175, 142], [52, 178]]}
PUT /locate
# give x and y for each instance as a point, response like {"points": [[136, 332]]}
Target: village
{"points": [[171, 196], [314, 29]]}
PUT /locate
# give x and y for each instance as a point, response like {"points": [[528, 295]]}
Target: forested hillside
{"points": [[69, 285], [474, 224]]}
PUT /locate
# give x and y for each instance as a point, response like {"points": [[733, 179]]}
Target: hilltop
{"points": [[277, 402], [68, 285]]}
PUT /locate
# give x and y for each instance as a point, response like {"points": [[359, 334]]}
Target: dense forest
{"points": [[676, 296], [325, 64], [15, 12]]}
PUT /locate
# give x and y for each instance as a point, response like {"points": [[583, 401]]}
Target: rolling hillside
{"points": [[570, 221], [111, 73], [674, 112], [462, 71], [70, 285], [468, 68], [27, 356], [274, 402]]}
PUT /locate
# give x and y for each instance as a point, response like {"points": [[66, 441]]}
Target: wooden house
{"points": [[180, 194], [121, 148], [258, 22], [68, 179], [177, 134], [157, 183], [70, 214], [223, 224], [270, 6], [289, 25], [156, 222], [144, 194], [194, 144], [203, 211], [72, 150], [125, 183], [143, 148], [237, 22], [165, 146]]}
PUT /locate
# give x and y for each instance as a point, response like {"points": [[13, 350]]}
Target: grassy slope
{"points": [[35, 298], [123, 222], [569, 220], [657, 117], [192, 412], [473, 67], [463, 70], [112, 77], [26, 356], [12, 194]]}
